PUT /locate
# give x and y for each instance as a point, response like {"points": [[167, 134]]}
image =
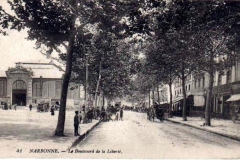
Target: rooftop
{"points": [[46, 70]]}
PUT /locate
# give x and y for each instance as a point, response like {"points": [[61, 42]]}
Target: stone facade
{"points": [[20, 86]]}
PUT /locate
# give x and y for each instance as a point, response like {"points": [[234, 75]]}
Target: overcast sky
{"points": [[15, 47]]}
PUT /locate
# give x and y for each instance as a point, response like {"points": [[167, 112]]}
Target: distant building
{"points": [[36, 82], [177, 105], [164, 94]]}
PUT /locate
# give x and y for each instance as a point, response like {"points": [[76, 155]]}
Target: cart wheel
{"points": [[233, 119]]}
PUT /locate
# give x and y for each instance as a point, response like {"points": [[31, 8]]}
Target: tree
{"points": [[108, 68], [211, 39], [206, 23], [162, 64], [197, 32], [61, 23]]}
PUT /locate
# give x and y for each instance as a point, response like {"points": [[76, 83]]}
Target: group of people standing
{"points": [[104, 115], [107, 115]]}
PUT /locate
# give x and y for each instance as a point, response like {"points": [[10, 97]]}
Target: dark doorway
{"points": [[226, 107], [19, 93], [19, 97]]}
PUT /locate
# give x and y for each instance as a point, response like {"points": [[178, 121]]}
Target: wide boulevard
{"points": [[136, 137]]}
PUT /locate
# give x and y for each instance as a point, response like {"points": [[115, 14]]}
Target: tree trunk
{"points": [[184, 113], [149, 96], [184, 109], [103, 100], [153, 97], [170, 107], [62, 111], [158, 96], [209, 94], [66, 78], [98, 81]]}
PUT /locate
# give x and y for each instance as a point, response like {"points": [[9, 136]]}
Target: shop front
{"points": [[198, 107], [220, 107], [178, 105], [234, 102]]}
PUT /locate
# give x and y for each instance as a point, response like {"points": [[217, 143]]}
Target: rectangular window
{"points": [[229, 76], [51, 88], [1, 88], [36, 89], [219, 79], [58, 88]]}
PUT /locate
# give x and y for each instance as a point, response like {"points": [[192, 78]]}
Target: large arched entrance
{"points": [[19, 93]]}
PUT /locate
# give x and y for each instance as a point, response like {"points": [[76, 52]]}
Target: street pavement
{"points": [[23, 131], [218, 126], [136, 137]]}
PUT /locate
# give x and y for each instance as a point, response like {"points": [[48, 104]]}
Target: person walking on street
{"points": [[52, 110], [121, 114], [76, 124], [30, 107], [80, 117]]}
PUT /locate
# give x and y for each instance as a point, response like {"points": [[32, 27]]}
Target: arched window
{"points": [[19, 84]]}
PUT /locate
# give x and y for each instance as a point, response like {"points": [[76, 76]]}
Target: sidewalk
{"points": [[221, 127], [25, 130]]}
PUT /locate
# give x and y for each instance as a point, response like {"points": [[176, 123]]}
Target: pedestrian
{"points": [[80, 117], [30, 107], [117, 117], [76, 124], [15, 107], [103, 115], [121, 114], [9, 105], [84, 117], [52, 110], [97, 113]]}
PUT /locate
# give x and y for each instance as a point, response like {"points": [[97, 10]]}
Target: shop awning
{"points": [[234, 97]]}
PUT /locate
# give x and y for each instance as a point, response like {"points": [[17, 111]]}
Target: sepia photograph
{"points": [[119, 79]]}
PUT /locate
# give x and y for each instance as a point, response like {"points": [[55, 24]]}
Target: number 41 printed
{"points": [[19, 151]]}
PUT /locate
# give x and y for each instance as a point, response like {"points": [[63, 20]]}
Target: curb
{"points": [[84, 135], [205, 129]]}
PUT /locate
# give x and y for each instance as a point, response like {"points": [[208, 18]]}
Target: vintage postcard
{"points": [[119, 79]]}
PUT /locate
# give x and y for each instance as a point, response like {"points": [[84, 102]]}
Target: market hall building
{"points": [[32, 83]]}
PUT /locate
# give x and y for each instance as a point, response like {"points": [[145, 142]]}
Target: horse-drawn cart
{"points": [[158, 111]]}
